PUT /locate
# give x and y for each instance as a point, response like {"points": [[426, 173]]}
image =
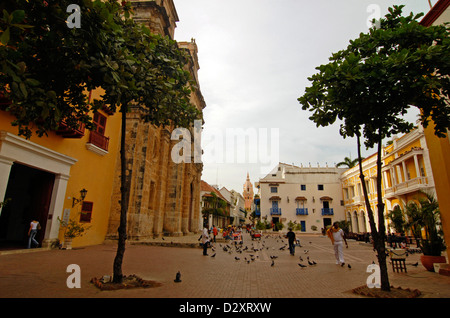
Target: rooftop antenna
{"points": [[217, 176]]}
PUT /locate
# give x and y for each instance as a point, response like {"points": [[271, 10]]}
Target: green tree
{"points": [[373, 82], [46, 69], [426, 216], [396, 217], [348, 162]]}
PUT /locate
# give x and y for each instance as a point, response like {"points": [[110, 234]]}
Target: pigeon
{"points": [[273, 263], [301, 265], [236, 258], [348, 265], [163, 238], [214, 255], [301, 259], [177, 278], [415, 264]]}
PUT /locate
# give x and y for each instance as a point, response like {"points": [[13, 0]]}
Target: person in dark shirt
{"points": [[291, 240]]}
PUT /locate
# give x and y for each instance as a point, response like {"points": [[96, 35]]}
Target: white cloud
{"points": [[255, 58]]}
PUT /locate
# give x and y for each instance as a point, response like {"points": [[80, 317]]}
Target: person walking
{"points": [[291, 240], [32, 231], [215, 232], [205, 240], [337, 237]]}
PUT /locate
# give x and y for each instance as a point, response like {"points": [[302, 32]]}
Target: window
{"points": [[100, 123], [320, 187], [273, 190], [303, 187], [86, 211], [97, 136]]}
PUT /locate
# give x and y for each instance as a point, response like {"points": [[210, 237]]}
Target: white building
{"points": [[308, 196]]}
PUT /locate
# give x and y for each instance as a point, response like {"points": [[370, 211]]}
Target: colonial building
{"points": [[308, 196], [214, 206], [237, 206], [164, 196], [406, 171], [41, 178], [439, 148]]}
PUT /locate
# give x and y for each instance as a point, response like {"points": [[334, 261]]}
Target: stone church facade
{"points": [[164, 196]]}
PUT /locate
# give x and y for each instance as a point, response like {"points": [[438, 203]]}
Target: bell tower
{"points": [[248, 194], [160, 16]]}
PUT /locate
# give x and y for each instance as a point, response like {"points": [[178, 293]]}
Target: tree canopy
{"points": [[46, 68], [380, 75]]}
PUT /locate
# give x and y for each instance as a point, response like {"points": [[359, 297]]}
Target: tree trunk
{"points": [[381, 246], [378, 236], [122, 230]]}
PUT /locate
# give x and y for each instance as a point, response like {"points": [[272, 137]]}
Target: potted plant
{"points": [[425, 224], [72, 229]]}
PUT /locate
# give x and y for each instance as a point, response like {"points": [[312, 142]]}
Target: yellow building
{"points": [[406, 172], [439, 148], [43, 177], [354, 203]]}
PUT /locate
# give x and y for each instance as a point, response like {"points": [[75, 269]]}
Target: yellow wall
{"points": [[439, 149], [92, 172]]}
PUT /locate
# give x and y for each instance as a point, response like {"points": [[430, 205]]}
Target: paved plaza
{"points": [[43, 273]]}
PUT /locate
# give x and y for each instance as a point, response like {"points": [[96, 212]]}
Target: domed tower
{"points": [[248, 194]]}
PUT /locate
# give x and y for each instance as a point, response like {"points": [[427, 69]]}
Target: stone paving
{"points": [[43, 274]]}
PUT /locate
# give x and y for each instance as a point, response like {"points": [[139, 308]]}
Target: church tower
{"points": [[248, 194]]}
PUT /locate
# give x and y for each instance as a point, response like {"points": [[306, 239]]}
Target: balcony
{"points": [[98, 143], [275, 211], [327, 211], [410, 186], [301, 211]]}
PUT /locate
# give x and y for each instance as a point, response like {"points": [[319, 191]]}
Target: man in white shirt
{"points": [[337, 237]]}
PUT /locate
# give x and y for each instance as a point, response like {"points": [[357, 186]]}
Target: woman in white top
{"points": [[34, 227], [337, 238]]}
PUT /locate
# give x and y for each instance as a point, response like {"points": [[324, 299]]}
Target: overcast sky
{"points": [[255, 58]]}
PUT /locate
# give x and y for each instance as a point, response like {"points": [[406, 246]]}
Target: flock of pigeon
{"points": [[251, 252]]}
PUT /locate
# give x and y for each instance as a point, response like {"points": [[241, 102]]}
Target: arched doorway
{"points": [[363, 221], [355, 222]]}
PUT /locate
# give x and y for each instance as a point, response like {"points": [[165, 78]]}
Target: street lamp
{"points": [[83, 193]]}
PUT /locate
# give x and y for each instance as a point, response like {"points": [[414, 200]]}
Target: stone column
{"points": [[5, 170], [161, 183], [416, 164], [186, 200], [55, 209], [172, 215]]}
